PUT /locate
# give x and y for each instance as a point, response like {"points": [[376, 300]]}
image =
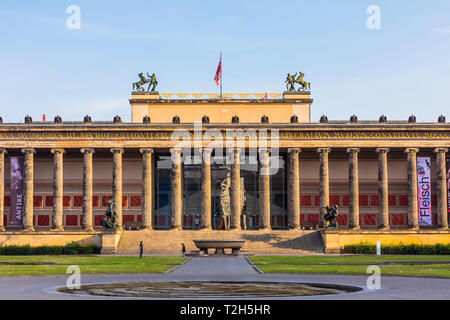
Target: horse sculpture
{"points": [[303, 84], [291, 80], [143, 80]]}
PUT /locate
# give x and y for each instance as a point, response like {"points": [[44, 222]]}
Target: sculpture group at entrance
{"points": [[331, 216]]}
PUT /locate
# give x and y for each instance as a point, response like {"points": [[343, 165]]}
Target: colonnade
{"points": [[264, 188]]}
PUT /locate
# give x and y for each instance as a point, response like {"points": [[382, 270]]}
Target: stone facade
{"points": [[369, 169]]}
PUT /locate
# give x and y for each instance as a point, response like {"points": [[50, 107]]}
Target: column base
{"points": [[413, 228], [265, 229], [355, 228], [60, 229], [146, 229], [176, 228], [235, 228], [2, 229], [294, 228], [88, 229], [384, 228], [443, 228], [28, 229], [205, 228]]}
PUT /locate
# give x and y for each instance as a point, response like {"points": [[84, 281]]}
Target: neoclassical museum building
{"points": [[251, 166]]}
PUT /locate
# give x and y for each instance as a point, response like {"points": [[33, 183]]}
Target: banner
{"points": [[16, 191], [448, 184], [424, 191]]}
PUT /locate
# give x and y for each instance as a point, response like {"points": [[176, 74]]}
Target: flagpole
{"points": [[221, 72]]}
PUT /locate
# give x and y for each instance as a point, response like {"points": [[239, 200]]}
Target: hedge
{"points": [[72, 248], [398, 249]]}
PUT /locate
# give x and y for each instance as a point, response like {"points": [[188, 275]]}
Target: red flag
{"points": [[218, 73]]}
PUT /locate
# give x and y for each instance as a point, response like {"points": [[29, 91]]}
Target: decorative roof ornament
{"points": [[146, 119], [117, 119], [205, 119], [291, 80], [28, 119], [87, 119], [294, 119], [441, 119], [57, 119], [151, 80], [324, 119], [383, 119], [353, 118], [412, 119]]}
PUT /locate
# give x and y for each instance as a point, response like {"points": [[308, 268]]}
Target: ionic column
{"points": [[177, 192], [57, 217], [441, 188], [324, 184], [206, 190], [264, 189], [2, 188], [87, 188], [147, 207], [28, 180], [383, 192], [294, 189], [353, 191], [235, 190], [413, 212], [117, 184]]}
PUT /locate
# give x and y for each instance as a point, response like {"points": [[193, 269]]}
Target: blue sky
{"points": [[399, 70]]}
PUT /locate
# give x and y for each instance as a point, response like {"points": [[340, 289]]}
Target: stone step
{"points": [[257, 242]]}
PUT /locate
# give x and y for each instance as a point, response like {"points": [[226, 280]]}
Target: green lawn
{"points": [[354, 265], [54, 265]]}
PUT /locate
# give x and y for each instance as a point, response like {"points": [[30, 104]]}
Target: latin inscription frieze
{"points": [[240, 134]]}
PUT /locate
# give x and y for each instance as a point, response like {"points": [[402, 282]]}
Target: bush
{"points": [[398, 249], [72, 248]]}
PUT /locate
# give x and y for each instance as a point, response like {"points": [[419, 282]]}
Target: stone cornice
{"points": [[218, 101]]}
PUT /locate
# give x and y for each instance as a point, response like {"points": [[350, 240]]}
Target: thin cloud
{"points": [[444, 30]]}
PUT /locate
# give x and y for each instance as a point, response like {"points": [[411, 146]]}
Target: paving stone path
{"points": [[231, 269]]}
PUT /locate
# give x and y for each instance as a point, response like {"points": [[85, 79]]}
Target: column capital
{"points": [[382, 150], [440, 150], [294, 150], [206, 155], [324, 150], [3, 150], [353, 150], [58, 150], [146, 150], [28, 150], [116, 150], [411, 150], [176, 150], [87, 150]]}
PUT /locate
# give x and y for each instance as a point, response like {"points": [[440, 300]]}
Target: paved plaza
{"points": [[232, 269]]}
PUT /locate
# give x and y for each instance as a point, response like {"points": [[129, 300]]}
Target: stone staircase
{"points": [[282, 242]]}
